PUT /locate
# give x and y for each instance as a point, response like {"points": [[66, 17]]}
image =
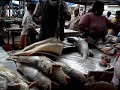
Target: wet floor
{"points": [[75, 61]]}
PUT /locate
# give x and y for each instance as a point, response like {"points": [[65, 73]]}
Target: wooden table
{"points": [[67, 32], [14, 32]]}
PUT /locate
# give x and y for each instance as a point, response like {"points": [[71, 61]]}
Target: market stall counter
{"points": [[44, 70]]}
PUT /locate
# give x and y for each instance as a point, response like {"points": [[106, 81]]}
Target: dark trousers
{"points": [[97, 35], [32, 35]]}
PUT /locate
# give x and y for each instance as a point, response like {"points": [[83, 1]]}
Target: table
{"points": [[14, 32], [67, 32]]}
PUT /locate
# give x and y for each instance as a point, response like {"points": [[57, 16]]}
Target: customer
{"points": [[116, 20], [73, 25], [94, 24], [108, 16], [28, 34], [52, 15]]}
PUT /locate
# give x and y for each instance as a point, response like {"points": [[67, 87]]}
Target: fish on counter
{"points": [[59, 75], [110, 49], [77, 78], [43, 81], [81, 44], [42, 63], [112, 39], [54, 48], [10, 78], [99, 86]]}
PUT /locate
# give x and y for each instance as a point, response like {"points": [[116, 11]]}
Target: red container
{"points": [[7, 47]]}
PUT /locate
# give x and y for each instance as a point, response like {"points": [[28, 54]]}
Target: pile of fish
{"points": [[111, 45], [49, 74]]}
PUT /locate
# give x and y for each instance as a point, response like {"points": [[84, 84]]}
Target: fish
{"points": [[100, 86], [100, 76], [42, 80], [40, 43], [110, 49], [42, 63], [59, 75], [112, 39], [55, 48], [11, 78], [77, 78], [81, 44]]}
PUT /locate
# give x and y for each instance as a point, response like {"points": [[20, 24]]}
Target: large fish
{"points": [[43, 81], [59, 75], [49, 40], [40, 62], [45, 65], [77, 78], [55, 48], [81, 44]]}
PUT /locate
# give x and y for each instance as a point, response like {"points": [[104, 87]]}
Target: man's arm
{"points": [[66, 13], [37, 14]]}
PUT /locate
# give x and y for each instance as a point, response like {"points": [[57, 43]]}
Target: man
{"points": [[52, 15]]}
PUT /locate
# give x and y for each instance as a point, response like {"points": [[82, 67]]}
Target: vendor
{"points": [[116, 20], [51, 14], [94, 24]]}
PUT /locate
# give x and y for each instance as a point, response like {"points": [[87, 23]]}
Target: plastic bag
{"points": [[117, 65]]}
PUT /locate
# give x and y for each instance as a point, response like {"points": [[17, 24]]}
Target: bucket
{"points": [[7, 47]]}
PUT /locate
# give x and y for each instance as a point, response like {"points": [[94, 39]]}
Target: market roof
{"points": [[108, 2]]}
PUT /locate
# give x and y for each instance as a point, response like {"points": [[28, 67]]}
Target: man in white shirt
{"points": [[51, 14], [28, 33]]}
